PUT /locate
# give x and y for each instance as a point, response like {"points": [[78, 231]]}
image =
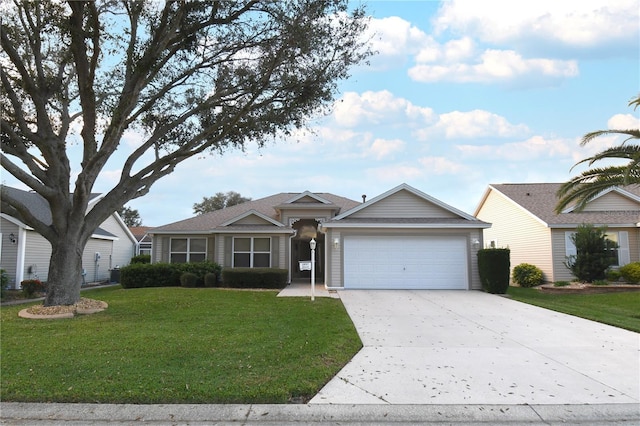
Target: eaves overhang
{"points": [[481, 225]]}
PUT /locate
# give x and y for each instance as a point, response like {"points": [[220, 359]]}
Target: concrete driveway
{"points": [[469, 347]]}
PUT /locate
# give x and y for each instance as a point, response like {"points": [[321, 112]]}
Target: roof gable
{"points": [[307, 197], [612, 199], [404, 202], [251, 217]]}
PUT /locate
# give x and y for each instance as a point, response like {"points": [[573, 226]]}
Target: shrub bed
{"points": [[255, 278], [31, 287], [139, 275]]}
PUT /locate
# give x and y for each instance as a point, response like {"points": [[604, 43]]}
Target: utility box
{"points": [[115, 275]]}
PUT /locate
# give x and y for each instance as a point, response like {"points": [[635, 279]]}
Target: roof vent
{"points": [[364, 198], [528, 194]]}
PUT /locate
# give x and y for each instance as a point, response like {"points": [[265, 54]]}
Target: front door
{"points": [[301, 251]]}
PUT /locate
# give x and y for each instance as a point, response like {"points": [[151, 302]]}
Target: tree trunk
{"points": [[65, 273]]}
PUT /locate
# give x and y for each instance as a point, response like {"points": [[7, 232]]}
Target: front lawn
{"points": [[178, 345], [617, 309]]}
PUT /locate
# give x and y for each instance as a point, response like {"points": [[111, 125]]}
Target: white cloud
{"points": [[580, 24], [624, 122], [471, 124], [503, 66], [385, 148], [394, 38], [376, 108]]}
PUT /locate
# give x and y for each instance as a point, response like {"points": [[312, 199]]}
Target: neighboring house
{"points": [[141, 233], [25, 254], [523, 219], [402, 239]]}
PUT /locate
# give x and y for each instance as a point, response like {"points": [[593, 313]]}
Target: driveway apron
{"points": [[469, 347]]}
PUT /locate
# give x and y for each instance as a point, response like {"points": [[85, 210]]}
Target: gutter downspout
{"points": [[22, 244]]}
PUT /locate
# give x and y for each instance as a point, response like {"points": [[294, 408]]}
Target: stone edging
{"points": [[589, 289], [78, 311]]}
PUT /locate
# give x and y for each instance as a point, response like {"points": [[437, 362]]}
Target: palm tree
{"points": [[583, 188]]}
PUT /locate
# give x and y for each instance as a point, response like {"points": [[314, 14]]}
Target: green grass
{"points": [[617, 309], [178, 345]]}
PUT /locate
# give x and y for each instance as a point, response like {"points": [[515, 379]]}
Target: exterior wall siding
{"points": [[37, 257], [9, 251], [97, 270], [123, 248], [528, 239], [252, 220], [403, 204]]}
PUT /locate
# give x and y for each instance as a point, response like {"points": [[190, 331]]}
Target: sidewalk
{"points": [[182, 414]]}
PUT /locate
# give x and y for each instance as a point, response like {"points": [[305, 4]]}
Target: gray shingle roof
{"points": [[266, 206], [540, 199], [39, 207]]}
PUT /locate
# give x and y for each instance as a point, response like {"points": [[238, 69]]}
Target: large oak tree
{"points": [[190, 76]]}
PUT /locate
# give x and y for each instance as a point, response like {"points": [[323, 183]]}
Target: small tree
{"points": [[130, 217], [593, 253]]}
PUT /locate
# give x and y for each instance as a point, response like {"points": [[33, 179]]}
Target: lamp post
{"points": [[312, 245]]}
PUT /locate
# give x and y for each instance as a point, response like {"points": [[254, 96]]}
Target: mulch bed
{"points": [[83, 307]]}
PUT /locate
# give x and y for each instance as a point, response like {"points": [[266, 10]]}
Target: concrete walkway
{"points": [[469, 347]]}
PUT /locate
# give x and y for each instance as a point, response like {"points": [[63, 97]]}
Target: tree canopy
{"points": [[583, 188], [188, 77], [130, 217], [218, 202]]}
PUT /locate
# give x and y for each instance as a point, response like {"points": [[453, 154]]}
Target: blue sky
{"points": [[462, 94]]}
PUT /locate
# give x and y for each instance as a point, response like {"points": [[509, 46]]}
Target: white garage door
{"points": [[392, 262]]}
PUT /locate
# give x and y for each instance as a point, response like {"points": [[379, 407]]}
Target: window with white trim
{"points": [[183, 250], [618, 245], [251, 252]]}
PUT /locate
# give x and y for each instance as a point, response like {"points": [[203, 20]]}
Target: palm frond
{"points": [[632, 133], [581, 189]]}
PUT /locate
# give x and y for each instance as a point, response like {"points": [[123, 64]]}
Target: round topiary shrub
{"points": [[527, 275], [631, 272], [210, 280], [188, 279]]}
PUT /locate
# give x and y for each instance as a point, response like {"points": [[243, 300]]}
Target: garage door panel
{"points": [[425, 262]]}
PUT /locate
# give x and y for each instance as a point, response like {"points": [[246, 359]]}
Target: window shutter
{"points": [[228, 242], [211, 249], [623, 249], [165, 249], [569, 246], [275, 252]]}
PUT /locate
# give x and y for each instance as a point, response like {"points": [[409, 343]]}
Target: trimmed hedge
{"points": [[527, 275], [139, 275], [141, 258], [255, 278], [494, 267]]}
